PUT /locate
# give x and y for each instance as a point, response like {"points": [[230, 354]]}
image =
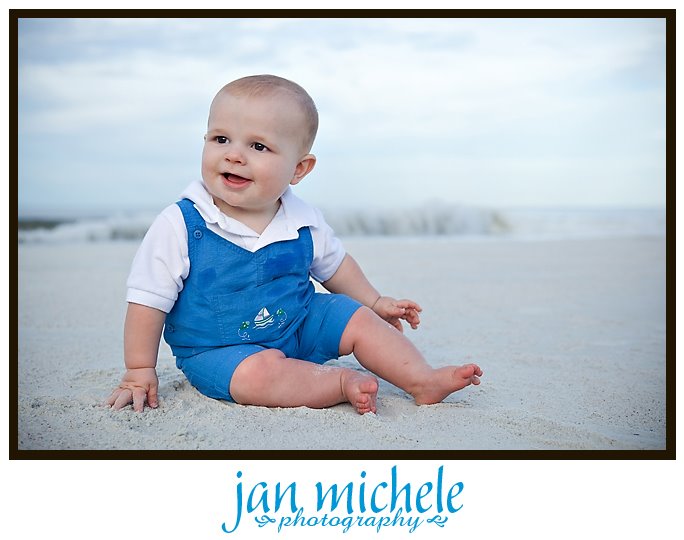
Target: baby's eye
{"points": [[259, 147], [221, 139]]}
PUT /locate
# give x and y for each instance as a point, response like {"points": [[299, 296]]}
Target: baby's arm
{"points": [[142, 334], [349, 279]]}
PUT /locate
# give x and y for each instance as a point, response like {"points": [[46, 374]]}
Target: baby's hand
{"points": [[137, 386], [394, 310]]}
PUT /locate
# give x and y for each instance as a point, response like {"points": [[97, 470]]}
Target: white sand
{"points": [[570, 334]]}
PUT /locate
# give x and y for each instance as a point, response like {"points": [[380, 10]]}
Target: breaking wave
{"points": [[432, 220]]}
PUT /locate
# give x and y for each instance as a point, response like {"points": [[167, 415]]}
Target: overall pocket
{"points": [[261, 315]]}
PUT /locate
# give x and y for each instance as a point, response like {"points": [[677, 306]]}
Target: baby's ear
{"points": [[304, 167]]}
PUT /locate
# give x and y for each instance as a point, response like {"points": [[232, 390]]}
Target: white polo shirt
{"points": [[162, 263]]}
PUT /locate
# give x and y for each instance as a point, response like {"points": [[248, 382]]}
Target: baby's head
{"points": [[290, 94], [259, 134]]}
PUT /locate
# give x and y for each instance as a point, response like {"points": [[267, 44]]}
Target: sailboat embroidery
{"points": [[263, 319]]}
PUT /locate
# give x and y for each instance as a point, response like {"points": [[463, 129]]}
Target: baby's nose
{"points": [[234, 155]]}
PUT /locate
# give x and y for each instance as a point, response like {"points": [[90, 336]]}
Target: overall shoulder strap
{"points": [[305, 233], [305, 236], [190, 214]]}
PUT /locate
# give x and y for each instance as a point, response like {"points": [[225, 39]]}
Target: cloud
{"points": [[486, 94]]}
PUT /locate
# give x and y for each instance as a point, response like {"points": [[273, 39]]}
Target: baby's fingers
{"points": [[408, 304], [389, 309], [152, 399], [139, 396], [112, 397], [115, 397], [411, 316], [124, 398]]}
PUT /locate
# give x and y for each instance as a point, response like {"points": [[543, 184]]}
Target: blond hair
{"points": [[264, 85]]}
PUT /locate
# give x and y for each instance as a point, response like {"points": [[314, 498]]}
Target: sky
{"points": [[492, 113]]}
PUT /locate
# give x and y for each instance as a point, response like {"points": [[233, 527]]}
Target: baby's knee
{"points": [[256, 372], [363, 316], [363, 319]]}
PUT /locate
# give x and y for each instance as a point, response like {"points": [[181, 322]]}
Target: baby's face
{"points": [[251, 152]]}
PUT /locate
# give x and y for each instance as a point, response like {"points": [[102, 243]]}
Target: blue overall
{"points": [[235, 303]]}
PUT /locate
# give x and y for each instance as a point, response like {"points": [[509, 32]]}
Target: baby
{"points": [[224, 273]]}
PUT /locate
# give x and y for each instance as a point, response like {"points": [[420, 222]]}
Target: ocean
{"points": [[436, 220]]}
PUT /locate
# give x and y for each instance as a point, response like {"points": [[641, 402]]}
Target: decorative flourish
{"points": [[283, 317], [242, 331], [264, 520], [438, 520]]}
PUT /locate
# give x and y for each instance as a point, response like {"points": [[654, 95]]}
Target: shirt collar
{"points": [[292, 215], [298, 213]]}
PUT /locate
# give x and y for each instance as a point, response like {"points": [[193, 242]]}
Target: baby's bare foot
{"points": [[360, 389], [445, 381]]}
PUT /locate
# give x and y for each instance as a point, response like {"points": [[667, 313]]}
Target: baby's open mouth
{"points": [[234, 178]]}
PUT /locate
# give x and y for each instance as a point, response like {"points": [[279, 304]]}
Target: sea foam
{"points": [[425, 220]]}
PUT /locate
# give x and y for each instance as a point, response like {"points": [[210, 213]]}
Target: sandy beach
{"points": [[570, 335]]}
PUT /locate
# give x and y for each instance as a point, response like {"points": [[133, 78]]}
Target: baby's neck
{"points": [[255, 219]]}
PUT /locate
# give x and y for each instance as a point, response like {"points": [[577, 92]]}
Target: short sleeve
{"points": [[161, 262], [328, 250]]}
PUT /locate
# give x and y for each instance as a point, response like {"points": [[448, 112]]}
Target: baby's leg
{"points": [[270, 379], [385, 351]]}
